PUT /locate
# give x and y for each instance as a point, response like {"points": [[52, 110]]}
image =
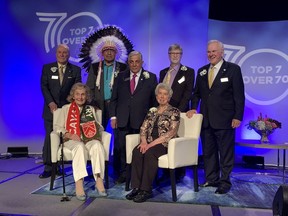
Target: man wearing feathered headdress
{"points": [[104, 54], [101, 78]]}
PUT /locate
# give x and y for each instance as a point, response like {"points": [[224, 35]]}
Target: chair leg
{"points": [[128, 177], [106, 176], [173, 184], [53, 175], [195, 175]]}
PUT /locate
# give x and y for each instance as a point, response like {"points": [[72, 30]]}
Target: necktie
{"points": [[133, 83], [168, 76], [211, 76], [61, 74]]}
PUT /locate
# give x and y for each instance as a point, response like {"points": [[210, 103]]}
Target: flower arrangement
{"points": [[146, 75], [264, 126]]}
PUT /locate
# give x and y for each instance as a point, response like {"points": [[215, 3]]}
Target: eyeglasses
{"points": [[175, 53]]}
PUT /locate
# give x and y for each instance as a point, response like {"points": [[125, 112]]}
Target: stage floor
{"points": [[19, 177]]}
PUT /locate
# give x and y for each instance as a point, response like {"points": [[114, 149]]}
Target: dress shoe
{"points": [[209, 184], [132, 194], [222, 190], [45, 174], [120, 180], [142, 196], [81, 197]]}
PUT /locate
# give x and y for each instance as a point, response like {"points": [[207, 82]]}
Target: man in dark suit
{"points": [[56, 81], [220, 88], [101, 79], [133, 95], [179, 77]]}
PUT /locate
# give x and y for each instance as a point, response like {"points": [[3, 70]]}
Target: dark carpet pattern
{"points": [[248, 191]]}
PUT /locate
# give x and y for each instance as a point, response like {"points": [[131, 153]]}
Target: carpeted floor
{"points": [[248, 191]]}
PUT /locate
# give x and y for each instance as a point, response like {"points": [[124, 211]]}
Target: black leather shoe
{"points": [[222, 190], [120, 180], [132, 194], [142, 196], [209, 184], [45, 174]]}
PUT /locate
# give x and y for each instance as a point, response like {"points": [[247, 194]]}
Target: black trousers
{"points": [[105, 114], [119, 152], [46, 151], [218, 155], [144, 167]]}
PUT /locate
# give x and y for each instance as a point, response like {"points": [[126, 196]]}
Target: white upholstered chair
{"points": [[182, 151], [56, 149]]}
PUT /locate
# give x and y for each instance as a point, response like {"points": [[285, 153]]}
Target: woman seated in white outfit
{"points": [[82, 135]]}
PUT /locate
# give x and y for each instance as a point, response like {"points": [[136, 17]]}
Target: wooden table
{"points": [[278, 146]]}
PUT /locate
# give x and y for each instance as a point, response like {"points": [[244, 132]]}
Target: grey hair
{"points": [[64, 46], [175, 47], [135, 53], [79, 86], [221, 45], [165, 87]]}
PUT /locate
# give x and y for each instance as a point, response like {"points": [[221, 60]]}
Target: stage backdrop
{"points": [[31, 30]]}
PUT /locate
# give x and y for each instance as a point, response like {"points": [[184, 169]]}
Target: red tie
{"points": [[133, 83]]}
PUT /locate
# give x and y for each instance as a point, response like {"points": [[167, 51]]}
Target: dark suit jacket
{"points": [[182, 87], [131, 109], [225, 100], [98, 95], [51, 89]]}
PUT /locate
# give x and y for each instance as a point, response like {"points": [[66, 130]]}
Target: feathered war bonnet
{"points": [[109, 37]]}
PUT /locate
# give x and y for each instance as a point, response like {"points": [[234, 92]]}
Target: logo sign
{"points": [[265, 73], [72, 30]]}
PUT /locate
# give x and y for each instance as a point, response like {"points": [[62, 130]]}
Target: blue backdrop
{"points": [[31, 30]]}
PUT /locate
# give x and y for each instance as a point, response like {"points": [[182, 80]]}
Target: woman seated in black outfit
{"points": [[159, 126]]}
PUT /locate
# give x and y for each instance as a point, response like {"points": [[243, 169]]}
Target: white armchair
{"points": [[182, 151], [56, 149]]}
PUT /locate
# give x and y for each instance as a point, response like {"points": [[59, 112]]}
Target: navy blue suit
{"points": [[130, 109], [220, 104], [182, 87]]}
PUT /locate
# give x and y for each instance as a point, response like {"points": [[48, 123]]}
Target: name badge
{"points": [[224, 79], [181, 80], [54, 77]]}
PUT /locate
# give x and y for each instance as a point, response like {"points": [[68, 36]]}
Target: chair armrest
{"points": [[106, 139], [182, 151], [55, 142], [132, 140]]}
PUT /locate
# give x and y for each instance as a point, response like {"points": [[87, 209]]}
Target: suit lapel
{"points": [[178, 76], [67, 73], [140, 83], [220, 73]]}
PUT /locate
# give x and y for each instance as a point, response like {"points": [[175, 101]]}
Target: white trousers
{"points": [[81, 152]]}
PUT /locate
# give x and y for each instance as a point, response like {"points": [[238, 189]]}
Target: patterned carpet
{"points": [[248, 191]]}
